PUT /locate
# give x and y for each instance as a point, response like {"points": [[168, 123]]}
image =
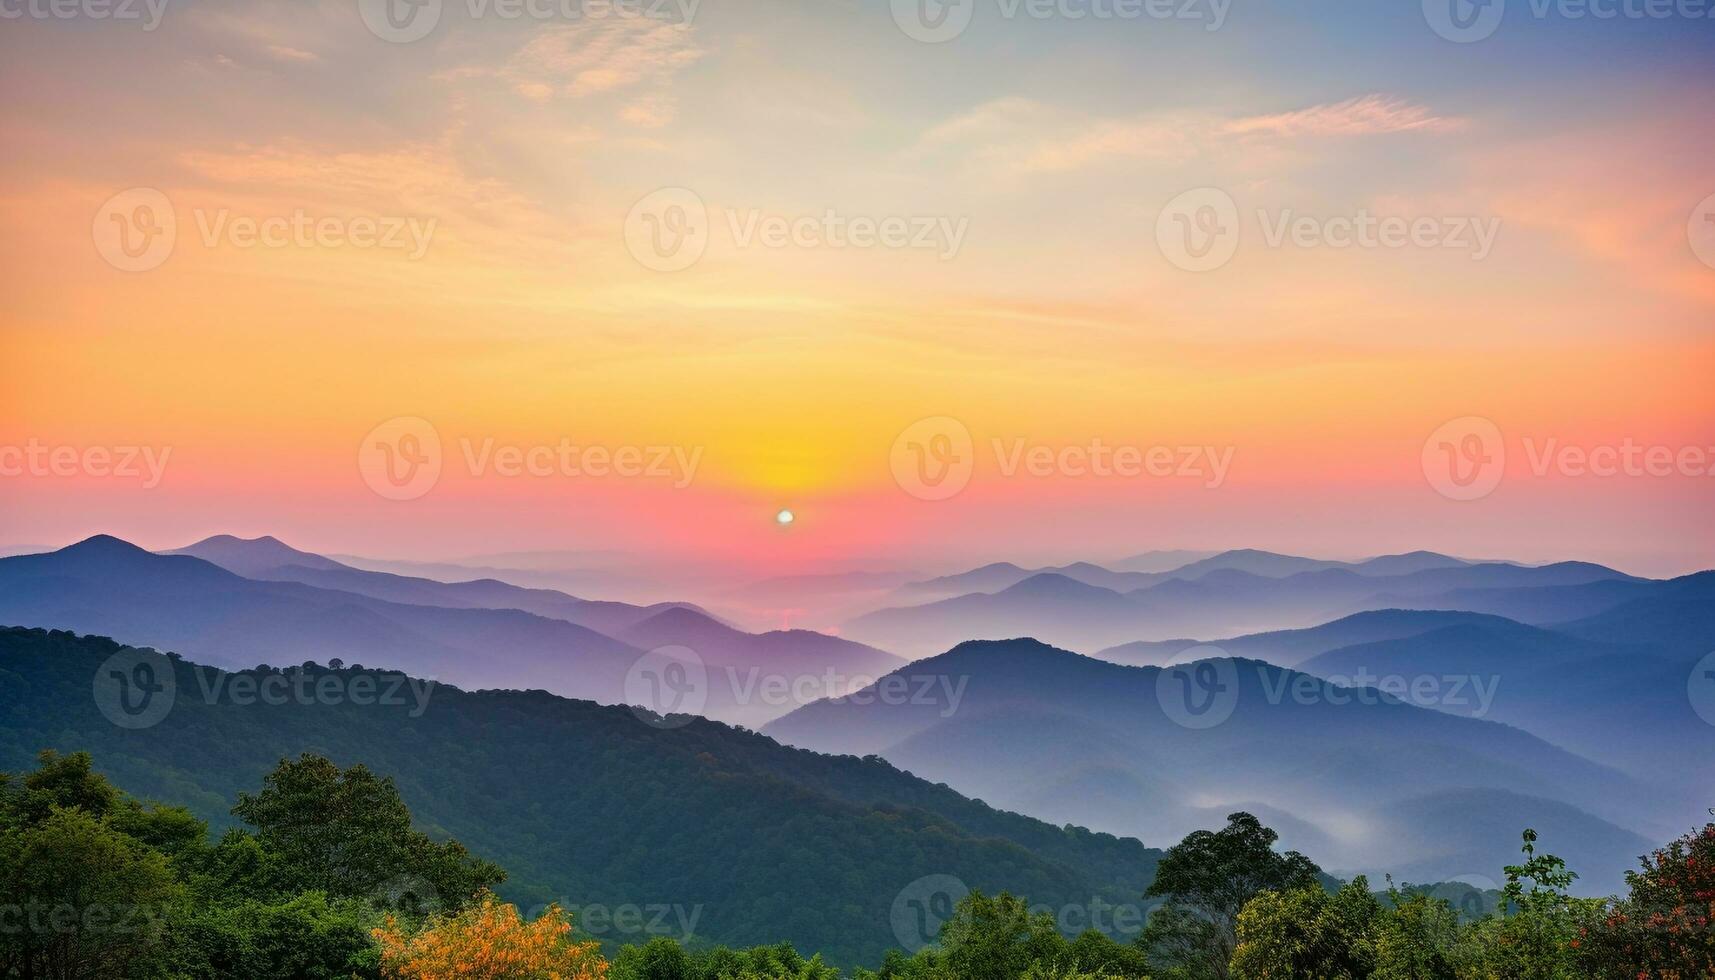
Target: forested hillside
{"points": [[583, 803]]}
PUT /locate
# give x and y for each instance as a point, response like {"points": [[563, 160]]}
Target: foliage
{"points": [[581, 803], [1665, 928], [348, 834], [1207, 879], [1308, 932], [488, 940]]}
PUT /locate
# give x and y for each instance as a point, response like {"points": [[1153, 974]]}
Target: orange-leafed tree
{"points": [[488, 940]]}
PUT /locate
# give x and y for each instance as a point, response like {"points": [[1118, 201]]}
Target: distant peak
{"points": [[102, 544], [1054, 583]]}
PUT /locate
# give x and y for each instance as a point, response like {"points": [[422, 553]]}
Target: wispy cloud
{"points": [[1363, 116], [633, 58], [1019, 137]]}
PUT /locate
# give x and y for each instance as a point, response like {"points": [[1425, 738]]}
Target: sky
{"points": [[1034, 281]]}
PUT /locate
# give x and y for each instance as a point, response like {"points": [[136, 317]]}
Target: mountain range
{"points": [[236, 603]]}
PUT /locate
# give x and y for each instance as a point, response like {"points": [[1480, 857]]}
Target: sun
{"points": [[785, 517]]}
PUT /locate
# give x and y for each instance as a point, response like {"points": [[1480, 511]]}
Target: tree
{"points": [[998, 938], [1307, 932], [488, 940], [1207, 879], [1665, 928], [85, 900], [349, 834], [1538, 936]]}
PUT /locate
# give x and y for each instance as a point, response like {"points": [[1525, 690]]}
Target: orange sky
{"points": [[790, 372]]}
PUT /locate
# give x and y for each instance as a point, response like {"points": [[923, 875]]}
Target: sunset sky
{"points": [[790, 372]]}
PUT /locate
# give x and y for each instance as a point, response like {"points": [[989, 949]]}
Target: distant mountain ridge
{"points": [[1035, 726], [1229, 594], [473, 634]]}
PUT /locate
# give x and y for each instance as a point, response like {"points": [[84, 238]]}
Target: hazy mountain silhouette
{"points": [[1222, 596], [1034, 723], [1289, 648], [468, 633]]}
